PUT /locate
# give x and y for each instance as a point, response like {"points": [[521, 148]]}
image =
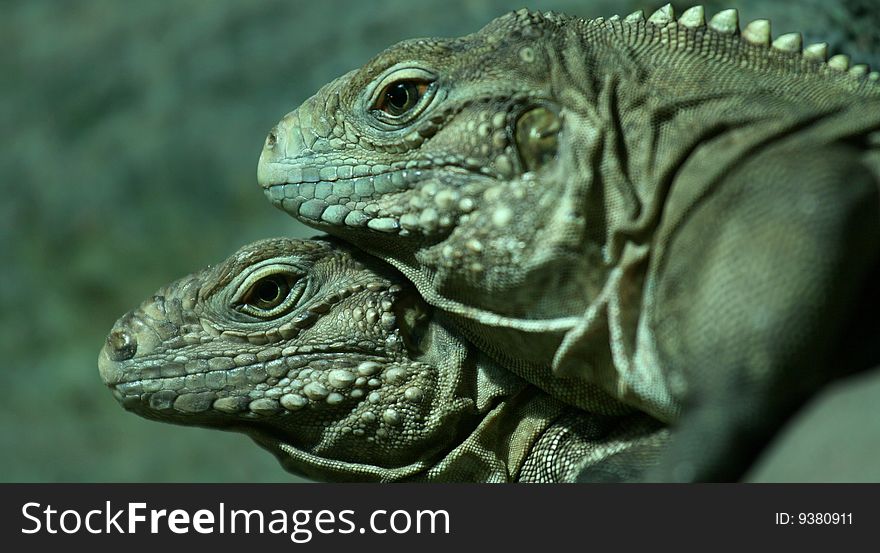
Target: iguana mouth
{"points": [[346, 195], [339, 199], [321, 375]]}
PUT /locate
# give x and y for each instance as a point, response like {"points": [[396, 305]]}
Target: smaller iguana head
{"points": [[307, 346], [439, 155]]}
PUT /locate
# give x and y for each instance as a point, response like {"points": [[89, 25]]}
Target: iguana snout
{"points": [[140, 333]]}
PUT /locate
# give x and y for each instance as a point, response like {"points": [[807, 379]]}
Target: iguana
{"points": [[658, 214], [330, 360]]}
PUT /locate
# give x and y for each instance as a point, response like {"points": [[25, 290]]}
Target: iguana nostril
{"points": [[272, 139], [123, 345]]}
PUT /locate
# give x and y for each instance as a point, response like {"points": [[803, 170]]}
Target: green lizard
{"points": [[663, 214]]}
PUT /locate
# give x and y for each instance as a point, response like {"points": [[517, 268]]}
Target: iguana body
{"points": [[660, 214], [330, 360]]}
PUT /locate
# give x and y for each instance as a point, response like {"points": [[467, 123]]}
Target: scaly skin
{"points": [[668, 215], [330, 360]]}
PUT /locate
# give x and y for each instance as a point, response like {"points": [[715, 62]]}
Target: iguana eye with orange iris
{"points": [[400, 97]]}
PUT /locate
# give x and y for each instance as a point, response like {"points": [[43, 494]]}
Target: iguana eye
{"points": [[269, 295], [400, 97]]}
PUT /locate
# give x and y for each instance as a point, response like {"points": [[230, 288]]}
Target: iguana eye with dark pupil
{"points": [[401, 96], [268, 292]]}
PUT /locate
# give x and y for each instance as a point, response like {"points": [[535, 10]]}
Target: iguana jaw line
{"points": [[364, 202], [201, 396]]}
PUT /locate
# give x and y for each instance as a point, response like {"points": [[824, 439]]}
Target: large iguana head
{"points": [[323, 355], [441, 156]]}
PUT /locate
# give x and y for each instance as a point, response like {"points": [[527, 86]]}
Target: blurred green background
{"points": [[131, 132]]}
